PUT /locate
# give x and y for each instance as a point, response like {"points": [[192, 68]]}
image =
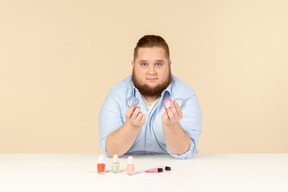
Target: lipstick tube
{"points": [[154, 170], [165, 168]]}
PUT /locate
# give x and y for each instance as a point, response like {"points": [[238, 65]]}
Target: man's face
{"points": [[151, 71]]}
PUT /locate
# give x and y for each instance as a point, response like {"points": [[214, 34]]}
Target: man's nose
{"points": [[151, 69]]}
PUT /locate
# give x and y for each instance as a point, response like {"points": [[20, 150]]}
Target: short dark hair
{"points": [[152, 41]]}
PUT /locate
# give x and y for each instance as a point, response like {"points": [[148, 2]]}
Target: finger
{"points": [[179, 111], [173, 109], [135, 112], [130, 111], [166, 116], [170, 114], [139, 116], [142, 121]]}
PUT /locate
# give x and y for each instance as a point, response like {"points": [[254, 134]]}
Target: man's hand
{"points": [[177, 140], [172, 115], [120, 141], [135, 117]]}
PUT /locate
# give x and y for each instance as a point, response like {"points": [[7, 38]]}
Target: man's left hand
{"points": [[172, 115]]}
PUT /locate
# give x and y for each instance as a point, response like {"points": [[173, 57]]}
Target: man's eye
{"points": [[158, 64], [144, 64]]}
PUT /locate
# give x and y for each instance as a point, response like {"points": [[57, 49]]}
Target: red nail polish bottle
{"points": [[101, 165]]}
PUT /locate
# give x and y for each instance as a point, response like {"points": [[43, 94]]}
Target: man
{"points": [[149, 128]]}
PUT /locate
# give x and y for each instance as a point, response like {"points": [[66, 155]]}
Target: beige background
{"points": [[58, 60]]}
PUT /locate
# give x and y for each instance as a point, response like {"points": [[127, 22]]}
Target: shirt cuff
{"points": [[188, 154]]}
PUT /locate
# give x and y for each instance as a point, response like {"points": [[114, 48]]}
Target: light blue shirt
{"points": [[150, 139]]}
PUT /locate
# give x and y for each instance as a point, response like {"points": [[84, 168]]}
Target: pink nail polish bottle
{"points": [[101, 165], [130, 166]]}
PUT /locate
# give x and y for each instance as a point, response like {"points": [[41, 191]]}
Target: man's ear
{"points": [[132, 62], [170, 62]]}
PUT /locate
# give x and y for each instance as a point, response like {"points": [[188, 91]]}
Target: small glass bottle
{"points": [[101, 165], [130, 166], [115, 164]]}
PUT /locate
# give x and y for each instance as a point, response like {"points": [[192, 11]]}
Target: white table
{"points": [[204, 172]]}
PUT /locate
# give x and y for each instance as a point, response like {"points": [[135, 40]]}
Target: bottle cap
{"points": [[130, 160], [167, 168], [115, 158], [100, 159]]}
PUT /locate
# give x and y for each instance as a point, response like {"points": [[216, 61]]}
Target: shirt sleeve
{"points": [[110, 119], [191, 123]]}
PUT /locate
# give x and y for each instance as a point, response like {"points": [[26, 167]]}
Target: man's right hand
{"points": [[135, 117], [121, 140]]}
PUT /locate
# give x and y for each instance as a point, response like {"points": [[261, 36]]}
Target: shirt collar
{"points": [[167, 92]]}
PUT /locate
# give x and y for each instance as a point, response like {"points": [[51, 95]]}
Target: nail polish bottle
{"points": [[130, 166], [115, 164], [101, 165]]}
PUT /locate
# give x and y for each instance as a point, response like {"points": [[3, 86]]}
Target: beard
{"points": [[148, 91]]}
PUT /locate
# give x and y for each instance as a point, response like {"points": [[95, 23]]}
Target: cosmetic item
{"points": [[115, 164], [101, 165], [164, 102], [165, 168], [130, 166], [181, 102], [154, 170]]}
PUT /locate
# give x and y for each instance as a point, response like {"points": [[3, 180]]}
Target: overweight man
{"points": [[147, 127]]}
